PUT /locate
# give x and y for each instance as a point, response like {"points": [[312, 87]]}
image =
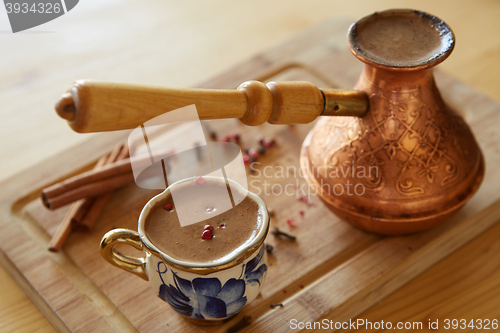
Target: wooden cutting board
{"points": [[332, 271]]}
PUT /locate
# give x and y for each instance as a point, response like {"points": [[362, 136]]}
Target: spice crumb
{"points": [[276, 305]]}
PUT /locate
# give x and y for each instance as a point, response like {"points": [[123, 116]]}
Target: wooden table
{"points": [[180, 44]]}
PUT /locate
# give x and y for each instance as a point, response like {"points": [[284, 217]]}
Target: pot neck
{"points": [[395, 80]]}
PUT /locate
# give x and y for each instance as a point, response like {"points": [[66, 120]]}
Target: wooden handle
{"points": [[92, 106]]}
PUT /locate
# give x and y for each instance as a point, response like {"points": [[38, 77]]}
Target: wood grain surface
{"points": [[179, 44]]}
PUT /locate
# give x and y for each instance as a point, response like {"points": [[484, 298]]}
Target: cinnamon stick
{"points": [[76, 212], [94, 182], [90, 190], [88, 180], [93, 213]]}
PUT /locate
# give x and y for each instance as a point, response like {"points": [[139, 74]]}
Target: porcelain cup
{"points": [[202, 292]]}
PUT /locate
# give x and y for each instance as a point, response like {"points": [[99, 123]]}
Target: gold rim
{"points": [[204, 268]]}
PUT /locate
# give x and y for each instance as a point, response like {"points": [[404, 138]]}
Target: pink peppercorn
{"points": [[269, 143], [236, 137], [200, 180], [207, 235], [254, 153]]}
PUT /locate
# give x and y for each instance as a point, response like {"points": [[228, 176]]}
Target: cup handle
{"points": [[128, 263]]}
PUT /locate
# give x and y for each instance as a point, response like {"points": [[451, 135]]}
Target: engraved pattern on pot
{"points": [[402, 129]]}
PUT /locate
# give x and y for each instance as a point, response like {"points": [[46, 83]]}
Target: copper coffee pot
{"points": [[390, 157]]}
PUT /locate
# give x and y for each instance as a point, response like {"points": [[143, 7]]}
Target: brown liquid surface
{"points": [[399, 39], [241, 224]]}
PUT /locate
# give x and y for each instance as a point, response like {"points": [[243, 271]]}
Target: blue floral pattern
{"points": [[207, 298], [252, 274]]}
